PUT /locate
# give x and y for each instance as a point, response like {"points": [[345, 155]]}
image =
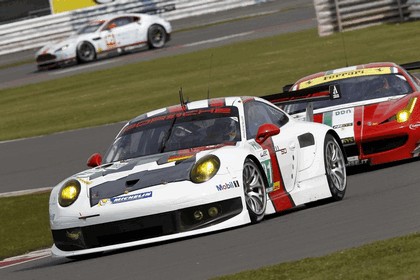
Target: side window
{"points": [[278, 117], [258, 113], [118, 22]]}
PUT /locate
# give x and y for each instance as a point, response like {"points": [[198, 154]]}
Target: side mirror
{"points": [[94, 160], [265, 131]]}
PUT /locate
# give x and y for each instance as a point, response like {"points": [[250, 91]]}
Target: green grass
{"points": [[248, 68], [24, 224]]}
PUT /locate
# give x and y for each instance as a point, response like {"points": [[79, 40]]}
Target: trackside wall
{"points": [[36, 32], [341, 15]]}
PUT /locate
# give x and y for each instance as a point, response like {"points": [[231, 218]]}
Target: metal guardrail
{"points": [[414, 9], [341, 15], [36, 32]]}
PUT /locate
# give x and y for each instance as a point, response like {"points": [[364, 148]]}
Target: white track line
{"points": [[218, 39]]}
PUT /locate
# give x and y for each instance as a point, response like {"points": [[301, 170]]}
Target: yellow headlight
{"points": [[69, 193], [205, 168], [402, 116]]}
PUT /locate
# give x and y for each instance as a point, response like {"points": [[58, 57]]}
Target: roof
{"points": [[347, 72]]}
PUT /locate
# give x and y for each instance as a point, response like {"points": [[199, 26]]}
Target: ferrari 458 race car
{"points": [[108, 34], [378, 114], [195, 168]]}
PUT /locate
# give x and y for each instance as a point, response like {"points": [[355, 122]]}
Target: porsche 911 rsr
{"points": [[195, 168], [110, 34], [377, 116]]}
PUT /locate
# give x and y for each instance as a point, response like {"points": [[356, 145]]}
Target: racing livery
{"points": [[110, 34], [194, 168], [377, 116]]}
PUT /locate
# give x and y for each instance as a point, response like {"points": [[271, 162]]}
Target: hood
{"points": [[139, 173], [51, 47]]}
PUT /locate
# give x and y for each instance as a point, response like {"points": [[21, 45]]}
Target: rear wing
{"points": [[411, 65], [309, 95]]}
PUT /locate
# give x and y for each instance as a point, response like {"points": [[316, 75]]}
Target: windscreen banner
{"points": [[59, 6]]}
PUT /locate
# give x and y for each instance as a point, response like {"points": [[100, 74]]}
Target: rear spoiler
{"points": [[309, 95]]}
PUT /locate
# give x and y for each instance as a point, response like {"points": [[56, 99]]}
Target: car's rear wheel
{"points": [[156, 36], [335, 167], [85, 52], [254, 190]]}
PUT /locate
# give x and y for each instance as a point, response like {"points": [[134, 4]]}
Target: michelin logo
{"points": [[228, 186], [127, 198]]}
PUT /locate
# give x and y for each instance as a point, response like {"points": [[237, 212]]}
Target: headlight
{"points": [[69, 193], [403, 115], [205, 168], [62, 48]]}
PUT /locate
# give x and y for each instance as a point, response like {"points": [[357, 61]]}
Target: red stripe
{"points": [[280, 197], [318, 118], [17, 261], [175, 109], [219, 102]]}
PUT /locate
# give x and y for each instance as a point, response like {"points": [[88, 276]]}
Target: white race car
{"points": [[195, 168], [105, 35]]}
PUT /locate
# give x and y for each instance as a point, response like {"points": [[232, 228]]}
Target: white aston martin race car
{"points": [[195, 168], [109, 34]]}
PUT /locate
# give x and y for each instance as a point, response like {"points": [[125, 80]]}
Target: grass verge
{"points": [[24, 224], [249, 68]]}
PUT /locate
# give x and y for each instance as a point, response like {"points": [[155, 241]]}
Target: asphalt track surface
{"points": [[380, 203]]}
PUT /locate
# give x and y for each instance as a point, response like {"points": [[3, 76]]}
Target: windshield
{"points": [[90, 27], [176, 131], [360, 88]]}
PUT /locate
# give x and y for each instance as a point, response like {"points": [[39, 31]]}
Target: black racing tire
{"points": [[156, 36], [335, 168], [255, 185], [85, 52]]}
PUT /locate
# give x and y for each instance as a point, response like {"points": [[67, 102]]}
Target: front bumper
{"points": [[147, 227], [49, 61], [388, 143]]}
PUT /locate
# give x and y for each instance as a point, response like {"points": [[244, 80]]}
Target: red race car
{"points": [[377, 115]]}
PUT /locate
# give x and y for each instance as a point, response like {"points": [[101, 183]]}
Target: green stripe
{"points": [[327, 118]]}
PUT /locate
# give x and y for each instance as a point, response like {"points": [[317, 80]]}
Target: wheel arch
{"points": [[164, 29], [259, 165], [334, 134], [90, 42]]}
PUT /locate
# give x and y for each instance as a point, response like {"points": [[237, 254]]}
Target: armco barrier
{"points": [[36, 32], [414, 9], [341, 15]]}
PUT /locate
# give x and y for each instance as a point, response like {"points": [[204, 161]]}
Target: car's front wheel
{"points": [[156, 36], [85, 52], [335, 167], [254, 190]]}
